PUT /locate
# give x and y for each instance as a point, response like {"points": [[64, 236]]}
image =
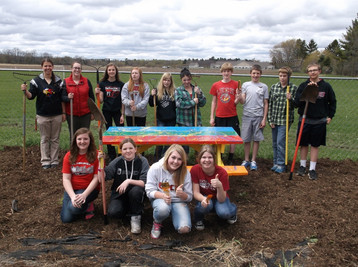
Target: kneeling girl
{"points": [[210, 186], [129, 174], [169, 189]]}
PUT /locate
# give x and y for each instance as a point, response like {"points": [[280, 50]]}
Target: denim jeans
{"points": [[69, 213], [279, 144], [130, 202], [224, 210], [179, 210]]}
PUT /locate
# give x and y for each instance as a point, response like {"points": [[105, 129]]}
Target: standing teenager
{"points": [[188, 98], [318, 116], [135, 97], [50, 110], [109, 93], [81, 88], [164, 99], [276, 117], [254, 98], [223, 105]]}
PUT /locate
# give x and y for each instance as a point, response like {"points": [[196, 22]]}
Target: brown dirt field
{"points": [[312, 222]]}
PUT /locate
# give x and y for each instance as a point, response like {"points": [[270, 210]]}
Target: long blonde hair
{"points": [[141, 82], [180, 173], [161, 89]]}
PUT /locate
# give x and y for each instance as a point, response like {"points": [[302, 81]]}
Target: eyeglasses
{"points": [[315, 70]]}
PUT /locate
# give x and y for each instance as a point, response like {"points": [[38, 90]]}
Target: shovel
{"points": [[98, 116], [309, 94]]}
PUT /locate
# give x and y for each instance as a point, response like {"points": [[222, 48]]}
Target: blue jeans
{"points": [[179, 210], [69, 213], [279, 144], [225, 210]]}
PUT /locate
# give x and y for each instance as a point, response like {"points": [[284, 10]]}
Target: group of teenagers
{"points": [[167, 183]]}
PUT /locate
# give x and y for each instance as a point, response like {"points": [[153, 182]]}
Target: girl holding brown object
{"points": [[49, 111], [109, 93], [135, 97], [169, 189], [81, 88], [210, 186]]}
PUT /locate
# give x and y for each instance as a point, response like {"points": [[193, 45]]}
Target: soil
{"points": [[302, 222]]}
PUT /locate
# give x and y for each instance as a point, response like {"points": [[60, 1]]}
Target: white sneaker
{"points": [[156, 230], [135, 224]]}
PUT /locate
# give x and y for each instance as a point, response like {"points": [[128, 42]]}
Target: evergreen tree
{"points": [[312, 46], [350, 48]]}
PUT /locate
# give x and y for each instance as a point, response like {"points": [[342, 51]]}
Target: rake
{"points": [[20, 76], [195, 96], [97, 64], [154, 99]]}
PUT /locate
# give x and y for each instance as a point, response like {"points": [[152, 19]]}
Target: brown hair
{"points": [[106, 76], [47, 59], [226, 66], [206, 148], [256, 67], [180, 173], [313, 65], [141, 82], [128, 140], [286, 70], [91, 151]]}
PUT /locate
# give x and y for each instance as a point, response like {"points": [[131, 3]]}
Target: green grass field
{"points": [[342, 138]]}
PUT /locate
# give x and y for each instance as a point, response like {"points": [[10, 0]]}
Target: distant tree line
{"points": [[339, 57]]}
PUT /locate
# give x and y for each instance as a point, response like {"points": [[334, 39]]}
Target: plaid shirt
{"points": [[277, 104], [186, 106]]}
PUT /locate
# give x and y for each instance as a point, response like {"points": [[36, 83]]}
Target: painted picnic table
{"points": [[195, 137]]}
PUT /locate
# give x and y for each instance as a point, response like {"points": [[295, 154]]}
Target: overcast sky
{"points": [[170, 29]]}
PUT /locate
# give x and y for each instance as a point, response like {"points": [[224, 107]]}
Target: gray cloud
{"points": [[173, 29]]}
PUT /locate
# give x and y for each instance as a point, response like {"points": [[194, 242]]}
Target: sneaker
{"points": [[280, 169], [90, 211], [135, 224], [245, 163], [156, 230], [253, 166], [232, 220], [274, 167], [312, 175], [301, 171], [45, 167], [199, 225], [54, 165]]}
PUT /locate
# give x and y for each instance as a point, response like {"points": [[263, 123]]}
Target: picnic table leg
{"points": [[220, 148]]}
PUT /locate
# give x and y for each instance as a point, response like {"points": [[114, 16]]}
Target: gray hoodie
{"points": [[140, 102], [157, 175]]}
